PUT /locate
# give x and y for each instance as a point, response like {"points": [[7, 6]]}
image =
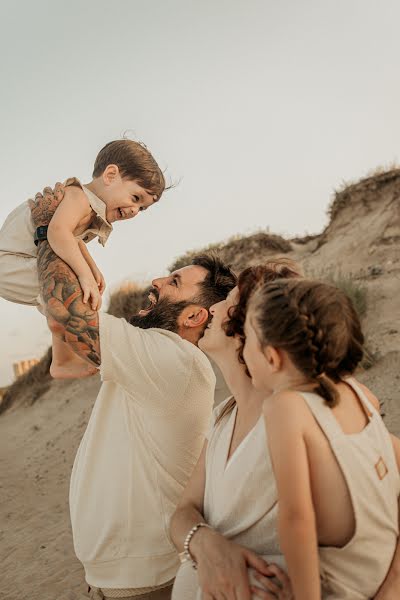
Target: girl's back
{"points": [[355, 485]]}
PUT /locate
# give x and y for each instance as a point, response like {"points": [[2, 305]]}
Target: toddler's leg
{"points": [[66, 364]]}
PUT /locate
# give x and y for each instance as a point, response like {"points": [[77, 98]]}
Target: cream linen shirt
{"points": [[142, 442]]}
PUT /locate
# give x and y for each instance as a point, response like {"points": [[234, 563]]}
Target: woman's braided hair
{"points": [[315, 323]]}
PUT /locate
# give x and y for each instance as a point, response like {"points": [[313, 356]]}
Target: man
{"points": [[149, 420]]}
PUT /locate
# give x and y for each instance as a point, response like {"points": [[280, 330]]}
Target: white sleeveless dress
{"points": [[240, 499]]}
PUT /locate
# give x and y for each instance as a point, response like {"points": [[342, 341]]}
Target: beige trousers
{"points": [[161, 594]]}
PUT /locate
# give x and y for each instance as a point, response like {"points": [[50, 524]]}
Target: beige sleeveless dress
{"points": [[368, 463], [241, 501], [18, 253]]}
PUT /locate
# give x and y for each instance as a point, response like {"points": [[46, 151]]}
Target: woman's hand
{"points": [[270, 589], [222, 566]]}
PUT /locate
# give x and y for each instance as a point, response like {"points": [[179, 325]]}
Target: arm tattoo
{"points": [[62, 295]]}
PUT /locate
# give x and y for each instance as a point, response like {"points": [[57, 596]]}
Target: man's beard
{"points": [[163, 315]]}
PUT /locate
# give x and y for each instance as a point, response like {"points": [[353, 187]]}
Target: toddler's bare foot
{"points": [[72, 369]]}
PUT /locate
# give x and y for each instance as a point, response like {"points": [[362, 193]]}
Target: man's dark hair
{"points": [[218, 282]]}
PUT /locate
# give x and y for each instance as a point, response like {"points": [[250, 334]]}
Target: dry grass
{"points": [[358, 294], [29, 386], [239, 251], [347, 190], [355, 289], [127, 300]]}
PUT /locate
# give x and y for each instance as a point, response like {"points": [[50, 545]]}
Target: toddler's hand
{"points": [[90, 291], [98, 276]]}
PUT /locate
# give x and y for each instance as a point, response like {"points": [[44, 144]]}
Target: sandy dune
{"points": [[38, 442]]}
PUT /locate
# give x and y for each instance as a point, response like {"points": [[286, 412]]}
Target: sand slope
{"points": [[37, 450]]}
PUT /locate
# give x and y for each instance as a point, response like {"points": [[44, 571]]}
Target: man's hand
{"points": [[271, 589], [44, 206], [223, 566]]}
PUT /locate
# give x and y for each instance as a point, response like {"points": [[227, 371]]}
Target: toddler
{"points": [[126, 180], [335, 464]]}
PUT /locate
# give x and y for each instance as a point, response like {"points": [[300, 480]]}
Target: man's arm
{"points": [[74, 321], [71, 319]]}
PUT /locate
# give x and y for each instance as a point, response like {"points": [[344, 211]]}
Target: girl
{"points": [[334, 461]]}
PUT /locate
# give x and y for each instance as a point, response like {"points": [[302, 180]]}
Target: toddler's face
{"points": [[125, 199]]}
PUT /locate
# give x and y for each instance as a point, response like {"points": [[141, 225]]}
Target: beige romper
{"points": [[18, 253], [368, 463], [241, 501]]}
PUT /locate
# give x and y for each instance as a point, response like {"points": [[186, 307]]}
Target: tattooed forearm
{"points": [[77, 323]]}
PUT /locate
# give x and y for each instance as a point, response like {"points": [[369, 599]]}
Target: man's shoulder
{"points": [[171, 345]]}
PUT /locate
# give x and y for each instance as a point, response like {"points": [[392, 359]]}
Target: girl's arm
{"points": [[285, 420], [60, 234]]}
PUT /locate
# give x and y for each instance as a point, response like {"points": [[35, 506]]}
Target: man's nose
{"points": [[157, 283]]}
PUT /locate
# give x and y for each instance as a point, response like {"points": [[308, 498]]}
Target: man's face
{"points": [[182, 285], [168, 297]]}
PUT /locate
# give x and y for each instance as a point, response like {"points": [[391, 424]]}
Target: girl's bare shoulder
{"points": [[287, 407]]}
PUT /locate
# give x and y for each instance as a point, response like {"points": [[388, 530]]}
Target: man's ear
{"points": [[110, 173], [273, 358], [194, 316]]}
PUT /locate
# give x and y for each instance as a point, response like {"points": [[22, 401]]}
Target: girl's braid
{"points": [[316, 324]]}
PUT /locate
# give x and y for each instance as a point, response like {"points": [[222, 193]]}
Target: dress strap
{"points": [[367, 404], [323, 415]]}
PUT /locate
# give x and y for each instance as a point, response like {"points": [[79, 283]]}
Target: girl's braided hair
{"points": [[315, 323]]}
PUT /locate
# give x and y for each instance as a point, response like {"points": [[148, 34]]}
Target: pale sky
{"points": [[259, 109]]}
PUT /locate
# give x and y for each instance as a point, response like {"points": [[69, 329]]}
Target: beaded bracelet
{"points": [[186, 551]]}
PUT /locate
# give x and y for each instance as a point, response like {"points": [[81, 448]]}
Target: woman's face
{"points": [[214, 339]]}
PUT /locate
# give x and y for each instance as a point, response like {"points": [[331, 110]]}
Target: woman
{"points": [[232, 487], [228, 484]]}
